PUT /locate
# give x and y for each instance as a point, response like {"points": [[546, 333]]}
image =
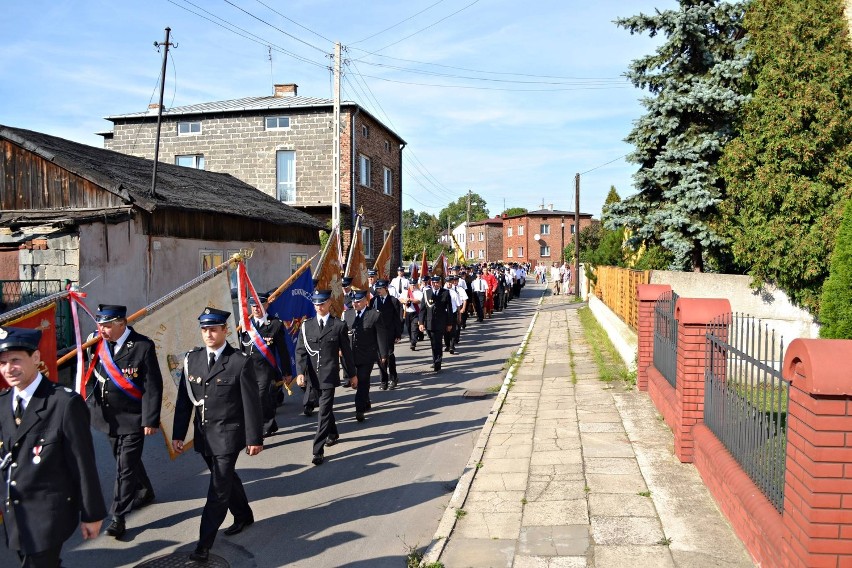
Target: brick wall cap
{"points": [[700, 310], [819, 366], [651, 292]]}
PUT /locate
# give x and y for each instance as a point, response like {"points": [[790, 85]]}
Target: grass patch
{"points": [[494, 388], [460, 513], [644, 494], [610, 365], [665, 541]]}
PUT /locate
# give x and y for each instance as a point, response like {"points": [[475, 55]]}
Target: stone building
{"points": [[283, 145], [485, 240], [540, 237]]}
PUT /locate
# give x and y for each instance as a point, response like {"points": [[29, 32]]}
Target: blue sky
{"points": [[552, 103]]}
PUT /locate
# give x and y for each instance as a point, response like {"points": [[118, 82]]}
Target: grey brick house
{"points": [[283, 145]]}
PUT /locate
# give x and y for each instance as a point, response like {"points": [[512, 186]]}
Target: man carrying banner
{"points": [[47, 457], [390, 311], [218, 383], [323, 340], [366, 330], [411, 302], [435, 314], [125, 402], [270, 365]]}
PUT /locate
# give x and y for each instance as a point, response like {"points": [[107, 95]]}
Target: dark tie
{"points": [[322, 324], [111, 347], [359, 318], [19, 411], [211, 361]]}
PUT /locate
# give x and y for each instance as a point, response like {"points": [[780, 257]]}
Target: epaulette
{"points": [[194, 349]]}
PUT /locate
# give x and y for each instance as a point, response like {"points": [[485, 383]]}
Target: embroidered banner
{"points": [[293, 307], [45, 320]]}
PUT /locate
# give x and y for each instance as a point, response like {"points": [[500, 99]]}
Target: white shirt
{"points": [[322, 320], [454, 299], [218, 352], [462, 283], [479, 285], [120, 341], [461, 293], [398, 287], [415, 295], [26, 394]]}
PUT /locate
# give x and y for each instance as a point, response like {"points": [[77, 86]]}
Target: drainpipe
{"points": [[399, 218], [353, 213]]}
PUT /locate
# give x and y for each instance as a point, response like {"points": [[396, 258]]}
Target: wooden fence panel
{"points": [[616, 287]]}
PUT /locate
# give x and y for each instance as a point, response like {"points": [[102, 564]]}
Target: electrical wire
{"points": [[602, 165], [592, 88], [273, 26], [429, 26], [397, 24], [319, 35]]}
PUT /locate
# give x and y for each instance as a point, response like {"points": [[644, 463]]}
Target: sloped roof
{"points": [[178, 187], [548, 213], [490, 221]]}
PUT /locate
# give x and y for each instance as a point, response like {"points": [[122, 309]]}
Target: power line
{"points": [[288, 34], [429, 26], [319, 35], [602, 165], [397, 24], [591, 88]]}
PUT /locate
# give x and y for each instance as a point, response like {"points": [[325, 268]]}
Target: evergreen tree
{"points": [[456, 212], [788, 173], [836, 305], [693, 80]]}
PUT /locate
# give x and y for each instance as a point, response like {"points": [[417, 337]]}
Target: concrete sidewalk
{"points": [[571, 471]]}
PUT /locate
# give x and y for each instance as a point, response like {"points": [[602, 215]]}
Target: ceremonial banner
{"points": [[383, 261], [439, 267], [424, 265], [356, 265], [45, 320], [293, 307], [328, 273], [174, 330], [460, 259]]}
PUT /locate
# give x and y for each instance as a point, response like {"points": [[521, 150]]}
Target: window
{"points": [[481, 253], [387, 146], [481, 236], [545, 229], [277, 122], [385, 237], [572, 228], [189, 128], [509, 253], [520, 252], [470, 254], [470, 237], [510, 232], [365, 131], [367, 237], [190, 161], [545, 250], [520, 230], [365, 170], [208, 259], [388, 181], [285, 175], [297, 260]]}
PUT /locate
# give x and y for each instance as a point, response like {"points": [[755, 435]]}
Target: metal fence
{"points": [[665, 336], [17, 293], [745, 398], [616, 287]]}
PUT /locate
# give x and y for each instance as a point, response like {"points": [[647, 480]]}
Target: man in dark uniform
{"points": [[371, 281], [126, 396], [365, 334], [435, 314], [390, 310], [218, 382], [267, 371], [47, 457], [323, 340], [346, 282], [478, 289]]}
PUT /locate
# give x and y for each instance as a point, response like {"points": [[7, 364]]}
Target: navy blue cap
{"points": [[371, 272], [454, 277], [400, 269], [436, 278], [109, 312], [321, 296], [262, 297], [211, 317], [19, 339], [358, 294], [347, 281], [381, 283]]}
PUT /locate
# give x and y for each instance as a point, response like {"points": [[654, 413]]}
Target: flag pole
{"points": [[237, 257], [15, 314], [280, 290]]}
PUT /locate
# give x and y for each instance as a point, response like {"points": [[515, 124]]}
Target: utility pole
{"points": [[335, 205], [468, 207], [166, 44], [577, 235]]}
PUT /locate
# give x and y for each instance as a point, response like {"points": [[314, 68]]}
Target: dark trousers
{"points": [[45, 559], [436, 338], [388, 370], [411, 324], [326, 426], [457, 329], [267, 402], [362, 393], [516, 289], [311, 395], [479, 305], [130, 475], [499, 304], [450, 336], [224, 494]]}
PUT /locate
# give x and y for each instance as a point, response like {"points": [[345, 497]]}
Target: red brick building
{"points": [[485, 240], [539, 237]]}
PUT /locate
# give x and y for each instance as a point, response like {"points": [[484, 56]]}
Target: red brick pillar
{"points": [[693, 315], [818, 482], [647, 295]]}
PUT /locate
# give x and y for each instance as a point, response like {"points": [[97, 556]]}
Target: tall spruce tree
{"points": [[789, 171], [693, 81], [836, 306]]}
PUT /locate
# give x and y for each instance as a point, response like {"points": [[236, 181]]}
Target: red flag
{"points": [[45, 320], [356, 266], [383, 261], [328, 273], [424, 265], [439, 267]]}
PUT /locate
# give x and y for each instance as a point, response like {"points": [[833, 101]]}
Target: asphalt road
{"points": [[381, 491]]}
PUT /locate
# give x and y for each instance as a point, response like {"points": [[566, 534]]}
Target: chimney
{"points": [[286, 90], [550, 206], [153, 108]]}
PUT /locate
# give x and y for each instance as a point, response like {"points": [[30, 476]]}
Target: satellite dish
{"points": [[536, 237]]}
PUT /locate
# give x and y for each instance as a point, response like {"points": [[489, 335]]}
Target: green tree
{"points": [[836, 305], [512, 211], [788, 173], [693, 81], [456, 212], [419, 230]]}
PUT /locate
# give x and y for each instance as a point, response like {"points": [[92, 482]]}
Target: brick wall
{"points": [[490, 248], [532, 226]]}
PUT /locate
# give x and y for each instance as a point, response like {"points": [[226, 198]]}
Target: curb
{"points": [[448, 520]]}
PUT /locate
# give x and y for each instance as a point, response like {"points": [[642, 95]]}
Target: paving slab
{"points": [[552, 513], [633, 556], [627, 530], [475, 552], [563, 540]]}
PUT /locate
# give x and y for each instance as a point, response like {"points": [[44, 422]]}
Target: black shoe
{"points": [[331, 441], [384, 386], [309, 409], [238, 527], [318, 459], [394, 384], [414, 347], [369, 405], [116, 528], [143, 500], [200, 554], [359, 416], [446, 349], [437, 367], [452, 351]]}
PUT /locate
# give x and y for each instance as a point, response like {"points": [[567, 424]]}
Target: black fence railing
{"points": [[665, 336], [745, 398], [17, 293]]}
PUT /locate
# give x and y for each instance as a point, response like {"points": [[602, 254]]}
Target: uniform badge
{"points": [[36, 455], [207, 311]]}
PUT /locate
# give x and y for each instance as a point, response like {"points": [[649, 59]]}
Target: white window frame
{"points": [[387, 178], [545, 251], [387, 146], [481, 236], [471, 238], [509, 253], [470, 254], [277, 125], [367, 238], [572, 228], [197, 161], [481, 253], [364, 166], [190, 128], [520, 252], [545, 229], [365, 131], [520, 230], [297, 259], [209, 258], [288, 184], [509, 234]]}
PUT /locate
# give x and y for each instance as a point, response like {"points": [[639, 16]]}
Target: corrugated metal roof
{"points": [[247, 104]]}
